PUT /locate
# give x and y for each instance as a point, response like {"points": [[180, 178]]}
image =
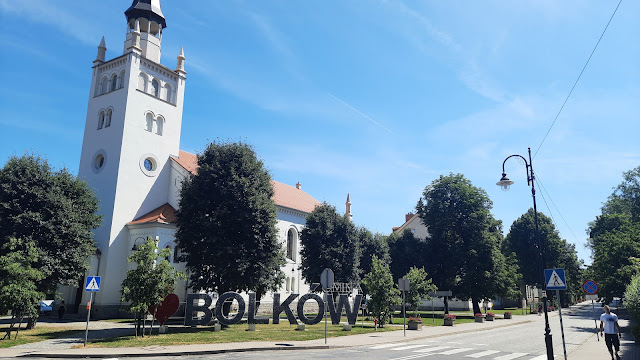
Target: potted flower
{"points": [[479, 317], [449, 320], [490, 316], [507, 314], [415, 323]]}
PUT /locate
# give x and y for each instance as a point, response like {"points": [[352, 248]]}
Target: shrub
{"points": [[414, 319], [507, 312], [632, 300], [447, 316]]}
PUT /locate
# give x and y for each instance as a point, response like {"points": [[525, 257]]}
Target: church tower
{"points": [[132, 130]]}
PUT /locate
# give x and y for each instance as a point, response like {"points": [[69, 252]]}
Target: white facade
{"points": [[131, 159]]}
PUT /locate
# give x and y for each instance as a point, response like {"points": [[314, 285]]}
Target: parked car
{"points": [[46, 306]]}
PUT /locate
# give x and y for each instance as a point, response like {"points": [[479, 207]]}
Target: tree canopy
{"points": [[419, 287], [55, 211], [372, 245], [382, 291], [405, 251], [329, 240], [463, 250], [227, 223]]}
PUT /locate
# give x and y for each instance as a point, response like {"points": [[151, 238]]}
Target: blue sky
{"points": [[372, 98]]}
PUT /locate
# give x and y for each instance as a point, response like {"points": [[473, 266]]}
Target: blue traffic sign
{"points": [[590, 287], [554, 279], [93, 283]]}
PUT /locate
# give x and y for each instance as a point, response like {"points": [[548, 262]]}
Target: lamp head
{"points": [[504, 182]]}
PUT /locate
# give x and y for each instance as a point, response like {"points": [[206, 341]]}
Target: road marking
{"points": [[453, 342], [410, 347], [410, 357], [482, 353], [455, 351], [383, 346], [541, 357], [511, 356], [436, 348]]}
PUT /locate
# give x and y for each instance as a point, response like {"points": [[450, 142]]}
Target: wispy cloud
{"points": [[361, 113]]}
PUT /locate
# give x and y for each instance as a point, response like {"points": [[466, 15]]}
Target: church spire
{"points": [[145, 23], [147, 9], [102, 49], [348, 213]]}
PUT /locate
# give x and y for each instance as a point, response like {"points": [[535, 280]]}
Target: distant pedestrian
{"points": [[609, 325], [61, 310]]}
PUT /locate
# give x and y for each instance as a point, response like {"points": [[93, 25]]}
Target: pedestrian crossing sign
{"points": [[93, 283], [555, 279]]}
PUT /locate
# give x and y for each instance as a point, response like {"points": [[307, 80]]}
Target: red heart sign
{"points": [[167, 308]]}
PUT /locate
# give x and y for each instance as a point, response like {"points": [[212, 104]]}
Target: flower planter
{"points": [[507, 316], [449, 322], [414, 325], [489, 317], [479, 319]]}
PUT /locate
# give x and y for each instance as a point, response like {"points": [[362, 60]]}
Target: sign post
{"points": [[590, 288], [555, 280], [326, 280], [92, 285], [403, 285]]}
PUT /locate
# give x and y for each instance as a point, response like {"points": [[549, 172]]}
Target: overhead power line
{"points": [[578, 79], [554, 205]]}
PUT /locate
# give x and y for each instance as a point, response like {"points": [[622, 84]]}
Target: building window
{"points": [[98, 163], [159, 125], [291, 244], [168, 93], [114, 82], [101, 120], [121, 85], [142, 82], [149, 164], [293, 286], [176, 254], [287, 283], [105, 85], [156, 87], [107, 120], [149, 125]]}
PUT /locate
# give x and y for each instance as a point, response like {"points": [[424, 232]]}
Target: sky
{"points": [[374, 98]]}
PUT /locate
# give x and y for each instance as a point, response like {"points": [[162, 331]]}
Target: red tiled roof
{"points": [[284, 195], [165, 214]]}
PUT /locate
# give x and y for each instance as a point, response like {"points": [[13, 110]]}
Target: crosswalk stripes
{"points": [[384, 346], [410, 347], [483, 353], [511, 356], [541, 357], [432, 349], [455, 351]]}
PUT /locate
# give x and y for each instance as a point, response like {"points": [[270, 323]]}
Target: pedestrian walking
{"points": [[609, 325], [61, 310]]}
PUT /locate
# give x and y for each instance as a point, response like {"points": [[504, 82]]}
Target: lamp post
{"points": [[505, 183]]}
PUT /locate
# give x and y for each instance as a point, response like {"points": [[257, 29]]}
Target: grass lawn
{"points": [[40, 333], [235, 333]]}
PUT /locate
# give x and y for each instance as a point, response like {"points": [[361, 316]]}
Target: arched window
{"points": [[291, 244], [149, 125], [107, 119], [168, 93], [156, 87], [114, 82], [288, 282], [121, 85], [142, 82], [293, 286], [168, 258], [101, 120], [105, 85], [176, 254], [159, 125]]}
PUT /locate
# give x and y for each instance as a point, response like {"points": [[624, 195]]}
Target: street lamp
{"points": [[505, 183]]}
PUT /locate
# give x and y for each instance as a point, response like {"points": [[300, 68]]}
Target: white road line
{"points": [[453, 342], [410, 357], [383, 346], [511, 356], [436, 348], [410, 347], [478, 344], [541, 357], [455, 351], [482, 353]]}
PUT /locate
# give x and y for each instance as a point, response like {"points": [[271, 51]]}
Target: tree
{"points": [[329, 240], [384, 295], [556, 252], [372, 245], [405, 251], [227, 223], [614, 237], [632, 299], [151, 280], [18, 279], [463, 251], [419, 287], [54, 210]]}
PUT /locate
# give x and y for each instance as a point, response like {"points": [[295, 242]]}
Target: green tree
{"points": [[405, 251], [151, 280], [329, 240], [54, 210], [419, 287], [227, 223], [380, 286], [372, 245], [626, 196], [556, 252], [18, 281], [463, 250]]}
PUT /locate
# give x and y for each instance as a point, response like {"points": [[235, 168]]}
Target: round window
{"points": [[99, 161], [148, 164]]}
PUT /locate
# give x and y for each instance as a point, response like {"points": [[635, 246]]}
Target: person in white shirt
{"points": [[609, 325]]}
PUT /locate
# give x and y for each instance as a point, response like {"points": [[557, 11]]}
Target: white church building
{"points": [[131, 158]]}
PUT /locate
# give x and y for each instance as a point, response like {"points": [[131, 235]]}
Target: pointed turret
{"points": [[145, 23], [102, 50], [148, 9], [180, 66], [348, 213]]}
